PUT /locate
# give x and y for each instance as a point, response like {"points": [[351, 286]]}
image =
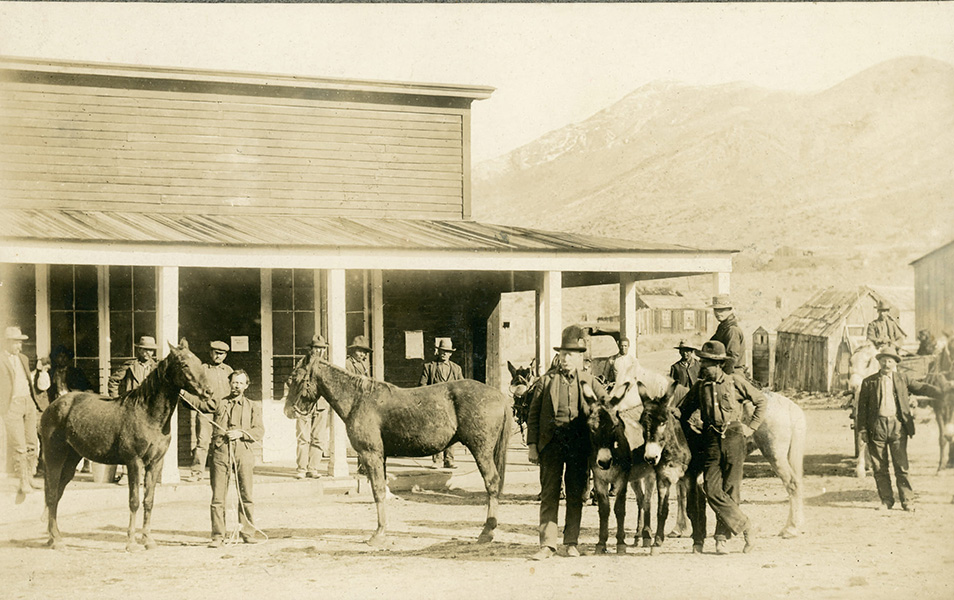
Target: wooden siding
{"points": [[801, 363], [649, 321], [153, 150], [934, 290]]}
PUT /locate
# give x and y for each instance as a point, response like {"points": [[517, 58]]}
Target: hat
{"points": [[573, 339], [713, 350], [720, 301], [218, 345], [14, 333], [318, 341], [148, 342], [360, 342], [684, 345], [446, 345], [889, 352], [882, 307]]}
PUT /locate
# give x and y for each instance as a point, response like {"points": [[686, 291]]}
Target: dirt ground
{"points": [[316, 543]]}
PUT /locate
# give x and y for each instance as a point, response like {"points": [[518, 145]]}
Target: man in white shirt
{"points": [[18, 407]]}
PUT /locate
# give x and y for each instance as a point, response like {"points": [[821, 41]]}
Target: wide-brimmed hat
{"points": [[14, 333], [318, 341], [882, 307], [889, 352], [720, 301], [573, 340], [148, 342], [446, 345], [713, 350], [684, 345], [219, 345], [360, 342]]}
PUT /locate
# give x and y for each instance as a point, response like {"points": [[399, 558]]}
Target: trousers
{"points": [[563, 462], [310, 432], [203, 437], [887, 437], [20, 424], [722, 472], [220, 476]]}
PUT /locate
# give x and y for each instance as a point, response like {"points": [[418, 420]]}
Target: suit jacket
{"points": [[6, 380], [129, 376], [884, 331], [430, 376], [685, 375], [730, 334], [869, 400], [234, 413], [359, 367], [541, 420]]}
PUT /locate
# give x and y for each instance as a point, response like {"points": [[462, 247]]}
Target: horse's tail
{"points": [[500, 450]]}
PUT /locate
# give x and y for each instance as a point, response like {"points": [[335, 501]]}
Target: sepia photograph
{"points": [[477, 300]]}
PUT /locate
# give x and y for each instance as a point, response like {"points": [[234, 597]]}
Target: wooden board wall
{"points": [[801, 363], [934, 291], [64, 146]]}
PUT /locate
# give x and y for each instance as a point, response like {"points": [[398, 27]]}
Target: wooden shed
{"points": [[815, 342], [671, 313], [934, 290]]}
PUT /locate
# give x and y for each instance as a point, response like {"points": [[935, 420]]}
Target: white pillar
{"points": [[720, 283], [43, 329], [627, 310], [549, 317], [102, 280], [167, 332], [377, 324], [265, 285], [337, 353]]}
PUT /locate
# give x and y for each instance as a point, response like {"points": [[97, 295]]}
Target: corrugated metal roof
{"points": [[822, 315], [301, 231]]}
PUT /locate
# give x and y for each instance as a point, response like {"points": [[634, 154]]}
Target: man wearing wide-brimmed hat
{"points": [[218, 374], [18, 407], [719, 397], [729, 334], [685, 371], [439, 370], [886, 422], [884, 330], [311, 426], [358, 353], [133, 372], [558, 440]]}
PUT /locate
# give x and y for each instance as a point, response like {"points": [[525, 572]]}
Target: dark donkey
{"points": [[384, 420], [131, 430], [522, 385]]}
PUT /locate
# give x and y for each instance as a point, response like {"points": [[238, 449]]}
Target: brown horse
{"points": [[131, 430], [384, 420]]}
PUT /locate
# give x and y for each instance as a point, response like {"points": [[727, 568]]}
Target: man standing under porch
{"points": [[18, 407], [131, 375], [218, 374], [438, 371]]}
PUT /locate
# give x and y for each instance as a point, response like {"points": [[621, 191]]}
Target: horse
{"points": [[522, 384], [944, 415], [384, 420], [131, 430], [861, 364]]}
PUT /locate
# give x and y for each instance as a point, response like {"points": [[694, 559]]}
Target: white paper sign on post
{"points": [[413, 344]]}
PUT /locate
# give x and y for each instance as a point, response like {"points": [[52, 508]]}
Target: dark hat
{"points": [[573, 339], [712, 350], [14, 333], [148, 342], [720, 301], [360, 342], [889, 352], [882, 307], [219, 345], [318, 341], [446, 345], [684, 345]]}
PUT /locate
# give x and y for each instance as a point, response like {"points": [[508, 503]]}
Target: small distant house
{"points": [[671, 313], [815, 342], [934, 290]]}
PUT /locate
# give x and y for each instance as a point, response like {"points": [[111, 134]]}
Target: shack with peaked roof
{"points": [[815, 342]]}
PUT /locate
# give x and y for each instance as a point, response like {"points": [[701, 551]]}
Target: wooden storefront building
{"points": [[259, 209]]}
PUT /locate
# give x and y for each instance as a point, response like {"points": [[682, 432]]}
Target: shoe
{"points": [[720, 547], [215, 543], [300, 475], [313, 475], [449, 465], [543, 553], [250, 539], [750, 534], [697, 548], [572, 551], [908, 507], [193, 477], [885, 507]]}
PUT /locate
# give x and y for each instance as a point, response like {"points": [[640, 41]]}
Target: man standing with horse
{"points": [[886, 422], [439, 371], [310, 424], [218, 374], [18, 407], [558, 441], [729, 334], [719, 396], [358, 353], [131, 375]]}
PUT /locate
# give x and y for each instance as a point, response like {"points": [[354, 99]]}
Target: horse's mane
{"points": [[362, 384], [148, 390]]}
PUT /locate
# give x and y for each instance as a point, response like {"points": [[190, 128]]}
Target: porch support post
{"points": [[167, 332], [337, 347], [549, 306], [43, 328], [377, 324], [268, 386], [627, 310], [720, 283], [102, 280]]}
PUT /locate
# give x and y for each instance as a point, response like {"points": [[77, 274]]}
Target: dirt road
{"points": [[316, 544]]}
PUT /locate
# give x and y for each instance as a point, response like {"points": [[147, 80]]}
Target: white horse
{"points": [[780, 438]]}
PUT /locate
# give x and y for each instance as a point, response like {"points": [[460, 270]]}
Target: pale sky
{"points": [[551, 64]]}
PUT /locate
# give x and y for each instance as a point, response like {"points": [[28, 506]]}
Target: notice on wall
{"points": [[239, 343], [414, 344]]}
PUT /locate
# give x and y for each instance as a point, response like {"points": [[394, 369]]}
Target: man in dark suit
{"points": [[18, 407], [558, 440], [729, 334], [884, 415], [438, 371], [884, 331], [685, 371], [133, 372]]}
